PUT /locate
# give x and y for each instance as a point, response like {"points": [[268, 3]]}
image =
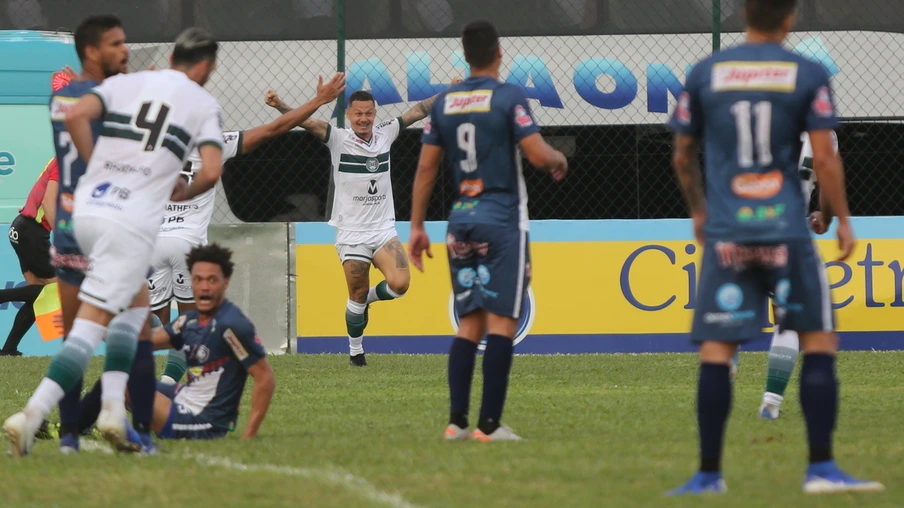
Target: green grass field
{"points": [[609, 430]]}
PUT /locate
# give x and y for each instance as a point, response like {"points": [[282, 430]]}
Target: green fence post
{"points": [[717, 25]]}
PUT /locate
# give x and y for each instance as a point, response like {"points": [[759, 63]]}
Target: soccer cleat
{"points": [[769, 411], [701, 483], [20, 438], [828, 478], [456, 433], [69, 444], [503, 433], [358, 360], [114, 427], [48, 430]]}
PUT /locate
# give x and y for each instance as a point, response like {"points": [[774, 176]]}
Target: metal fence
{"points": [[602, 75]]}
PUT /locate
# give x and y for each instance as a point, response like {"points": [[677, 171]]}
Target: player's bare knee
{"points": [[717, 352], [819, 342], [399, 284], [502, 326]]}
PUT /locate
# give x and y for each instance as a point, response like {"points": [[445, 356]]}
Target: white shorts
{"points": [[171, 277], [118, 262], [362, 245]]}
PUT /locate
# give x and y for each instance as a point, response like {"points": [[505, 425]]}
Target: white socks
{"points": [[48, 395], [355, 345], [113, 386], [773, 399]]}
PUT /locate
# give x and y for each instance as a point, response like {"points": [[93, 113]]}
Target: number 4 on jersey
{"points": [[154, 127]]}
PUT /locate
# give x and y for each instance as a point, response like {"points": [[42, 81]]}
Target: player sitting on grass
{"points": [[221, 348]]}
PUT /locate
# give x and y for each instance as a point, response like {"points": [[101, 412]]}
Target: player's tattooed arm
{"points": [[687, 168], [422, 109], [316, 127]]}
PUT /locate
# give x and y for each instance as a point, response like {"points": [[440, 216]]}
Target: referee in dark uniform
{"points": [[29, 234]]}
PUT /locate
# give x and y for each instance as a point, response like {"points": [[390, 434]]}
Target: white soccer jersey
{"points": [[189, 219], [363, 198], [152, 120], [807, 175]]}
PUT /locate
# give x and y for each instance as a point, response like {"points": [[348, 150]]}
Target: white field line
{"points": [[331, 476]]}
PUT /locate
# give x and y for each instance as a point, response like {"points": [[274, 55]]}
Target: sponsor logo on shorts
{"points": [[483, 275], [466, 277], [13, 235], [757, 185], [464, 250], [742, 256], [729, 297], [728, 318]]}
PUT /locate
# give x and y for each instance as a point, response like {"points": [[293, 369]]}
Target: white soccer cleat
{"points": [[769, 411], [456, 433], [20, 439], [112, 424], [503, 433], [828, 478]]}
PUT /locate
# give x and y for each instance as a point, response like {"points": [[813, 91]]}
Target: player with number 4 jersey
{"points": [[749, 105]]}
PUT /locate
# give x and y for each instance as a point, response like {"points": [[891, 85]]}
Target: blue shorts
{"points": [[736, 282], [181, 424], [69, 261], [490, 268]]}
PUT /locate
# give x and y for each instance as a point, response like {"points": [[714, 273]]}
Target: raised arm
{"points": [[316, 127], [326, 93], [422, 109]]}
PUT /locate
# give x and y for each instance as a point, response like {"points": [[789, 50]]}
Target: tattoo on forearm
{"points": [[423, 107], [687, 167]]}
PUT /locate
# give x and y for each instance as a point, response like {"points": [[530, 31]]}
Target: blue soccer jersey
{"points": [[72, 167], [479, 124], [219, 353], [751, 103]]}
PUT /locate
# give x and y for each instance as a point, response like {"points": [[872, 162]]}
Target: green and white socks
{"points": [[382, 292], [782, 358]]}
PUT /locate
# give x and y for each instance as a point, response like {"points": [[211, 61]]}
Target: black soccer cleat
{"points": [[357, 360]]}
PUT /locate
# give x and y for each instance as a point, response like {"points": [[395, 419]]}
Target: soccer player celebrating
{"points": [[363, 210], [751, 103], [479, 125], [150, 120], [785, 343]]}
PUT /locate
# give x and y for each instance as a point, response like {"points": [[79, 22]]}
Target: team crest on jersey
{"points": [[683, 109], [822, 104], [59, 106], [757, 185], [522, 118], [372, 164], [761, 76], [474, 101]]}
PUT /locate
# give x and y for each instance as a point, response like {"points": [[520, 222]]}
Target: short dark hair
{"points": [[91, 30], [194, 45], [480, 41], [212, 253], [363, 96], [768, 15]]}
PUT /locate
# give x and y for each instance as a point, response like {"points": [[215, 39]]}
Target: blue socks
{"points": [[461, 372], [713, 407], [497, 362], [819, 401], [142, 386], [69, 410]]}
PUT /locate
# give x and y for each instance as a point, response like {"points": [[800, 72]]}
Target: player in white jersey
{"points": [[185, 223], [151, 120], [363, 211], [786, 344]]}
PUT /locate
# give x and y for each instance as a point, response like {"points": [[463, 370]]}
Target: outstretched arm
{"points": [[687, 168], [316, 127], [261, 395], [422, 109]]}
